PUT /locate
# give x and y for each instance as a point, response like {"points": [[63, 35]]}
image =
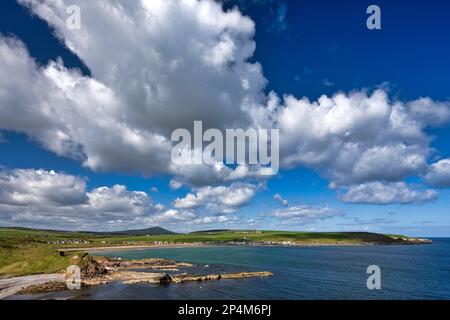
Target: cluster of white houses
{"points": [[68, 241]]}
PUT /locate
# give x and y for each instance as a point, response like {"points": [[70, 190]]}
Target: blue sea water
{"points": [[407, 272]]}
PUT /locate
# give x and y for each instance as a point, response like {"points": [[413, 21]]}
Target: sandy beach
{"points": [[136, 247]]}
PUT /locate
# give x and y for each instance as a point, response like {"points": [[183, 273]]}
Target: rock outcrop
{"points": [[241, 275], [100, 270], [154, 263], [91, 267], [133, 277]]}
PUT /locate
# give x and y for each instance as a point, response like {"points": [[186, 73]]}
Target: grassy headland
{"points": [[27, 251]]}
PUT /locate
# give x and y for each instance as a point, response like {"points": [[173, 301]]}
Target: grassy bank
{"points": [[24, 251], [30, 259]]}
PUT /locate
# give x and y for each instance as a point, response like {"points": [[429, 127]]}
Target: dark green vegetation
{"points": [[140, 232], [28, 251]]}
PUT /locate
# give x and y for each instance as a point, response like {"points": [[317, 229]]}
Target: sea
{"points": [[407, 272]]}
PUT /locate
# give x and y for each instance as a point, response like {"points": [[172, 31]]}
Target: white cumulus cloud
{"points": [[357, 137], [439, 174], [39, 187], [387, 193], [40, 198], [219, 199], [305, 214]]}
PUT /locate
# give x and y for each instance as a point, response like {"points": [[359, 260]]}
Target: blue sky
{"points": [[305, 49]]}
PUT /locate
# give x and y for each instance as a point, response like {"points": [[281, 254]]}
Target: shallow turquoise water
{"points": [[407, 272]]}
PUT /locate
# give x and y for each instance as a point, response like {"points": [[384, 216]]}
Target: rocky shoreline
{"points": [[100, 270], [105, 270]]}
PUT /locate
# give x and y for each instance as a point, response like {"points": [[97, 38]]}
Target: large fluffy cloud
{"points": [[357, 137], [41, 198], [73, 115], [169, 63], [117, 200], [39, 187], [219, 199], [172, 62], [387, 193]]}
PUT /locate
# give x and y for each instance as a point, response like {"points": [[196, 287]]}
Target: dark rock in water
{"points": [[166, 279]]}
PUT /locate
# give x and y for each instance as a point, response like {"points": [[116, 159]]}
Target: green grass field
{"points": [[24, 251], [252, 236]]}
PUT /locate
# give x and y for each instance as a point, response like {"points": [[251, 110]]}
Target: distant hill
{"points": [[140, 232]]}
